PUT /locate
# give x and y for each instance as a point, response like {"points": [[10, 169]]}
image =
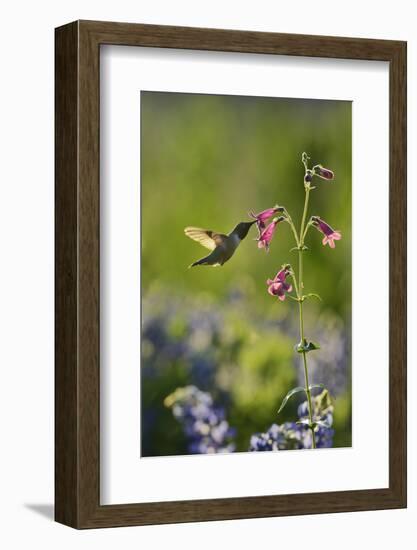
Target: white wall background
{"points": [[26, 275]]}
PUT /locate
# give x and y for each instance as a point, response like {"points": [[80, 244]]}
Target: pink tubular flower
{"points": [[330, 235], [265, 236], [277, 286], [322, 172], [263, 216]]}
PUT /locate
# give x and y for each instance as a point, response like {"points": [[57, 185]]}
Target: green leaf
{"points": [[313, 295], [305, 346], [290, 394]]}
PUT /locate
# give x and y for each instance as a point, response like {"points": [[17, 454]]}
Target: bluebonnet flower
{"points": [[322, 413], [278, 438], [208, 431], [297, 435], [204, 424]]}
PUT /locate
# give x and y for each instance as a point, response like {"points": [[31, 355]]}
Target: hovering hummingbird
{"points": [[222, 246]]}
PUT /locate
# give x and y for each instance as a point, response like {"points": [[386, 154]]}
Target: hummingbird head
{"points": [[242, 229]]}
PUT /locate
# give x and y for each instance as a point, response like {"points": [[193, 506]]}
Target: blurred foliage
{"points": [[244, 359], [207, 160]]}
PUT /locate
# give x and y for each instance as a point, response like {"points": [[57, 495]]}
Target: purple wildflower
{"points": [[278, 286], [263, 216], [330, 235], [265, 237]]}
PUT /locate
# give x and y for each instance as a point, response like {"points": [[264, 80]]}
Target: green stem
{"points": [[307, 384], [303, 221], [291, 224], [300, 309], [306, 231], [294, 280]]}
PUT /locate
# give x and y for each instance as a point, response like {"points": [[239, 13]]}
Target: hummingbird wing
{"points": [[207, 238]]}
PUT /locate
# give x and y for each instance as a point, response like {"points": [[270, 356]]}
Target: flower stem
{"points": [[291, 223], [303, 221], [300, 309], [307, 384], [305, 231]]}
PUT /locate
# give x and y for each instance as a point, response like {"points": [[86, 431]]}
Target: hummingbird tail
{"points": [[198, 262], [202, 261]]}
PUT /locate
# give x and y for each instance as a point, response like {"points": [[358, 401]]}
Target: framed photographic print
{"points": [[230, 274]]}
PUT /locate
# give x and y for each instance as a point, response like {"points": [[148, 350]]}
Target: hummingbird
{"points": [[222, 246]]}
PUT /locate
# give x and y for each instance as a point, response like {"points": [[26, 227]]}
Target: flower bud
{"points": [[308, 176], [322, 172]]}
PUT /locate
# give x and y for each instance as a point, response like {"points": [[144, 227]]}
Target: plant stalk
{"points": [[300, 309]]}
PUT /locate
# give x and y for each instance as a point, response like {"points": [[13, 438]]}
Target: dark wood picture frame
{"points": [[77, 372]]}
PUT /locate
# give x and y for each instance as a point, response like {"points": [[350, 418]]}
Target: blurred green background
{"points": [[206, 160]]}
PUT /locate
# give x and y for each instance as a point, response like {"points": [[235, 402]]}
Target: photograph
{"points": [[246, 274], [209, 265]]}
